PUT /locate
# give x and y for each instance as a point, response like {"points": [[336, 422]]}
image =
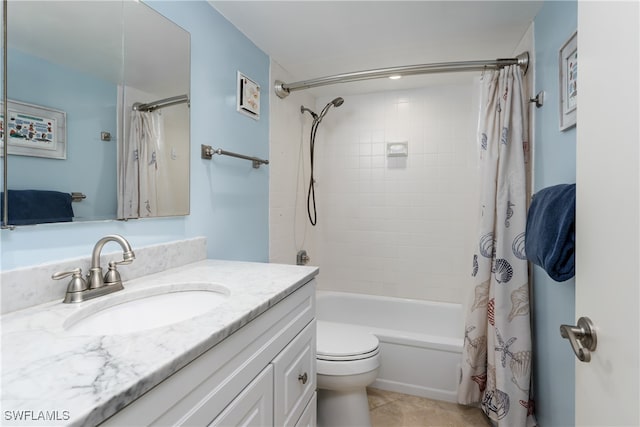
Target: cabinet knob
{"points": [[303, 378]]}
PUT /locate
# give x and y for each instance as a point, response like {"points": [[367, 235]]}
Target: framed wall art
{"points": [[568, 89], [248, 97], [35, 131]]}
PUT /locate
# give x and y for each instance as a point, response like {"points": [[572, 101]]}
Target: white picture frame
{"points": [[35, 131], [568, 89], [248, 97]]}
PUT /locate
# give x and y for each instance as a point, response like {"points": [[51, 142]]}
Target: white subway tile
{"points": [[378, 149], [397, 228], [378, 161], [365, 162], [377, 135]]}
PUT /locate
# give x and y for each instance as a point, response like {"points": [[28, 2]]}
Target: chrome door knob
{"points": [[582, 337]]}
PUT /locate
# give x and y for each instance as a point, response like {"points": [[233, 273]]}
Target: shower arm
{"points": [[283, 89]]}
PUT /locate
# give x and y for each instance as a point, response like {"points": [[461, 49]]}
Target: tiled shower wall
{"points": [[289, 230], [398, 227]]}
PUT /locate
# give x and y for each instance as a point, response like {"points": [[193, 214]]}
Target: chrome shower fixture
{"points": [[317, 119], [303, 109], [336, 103], [311, 194]]}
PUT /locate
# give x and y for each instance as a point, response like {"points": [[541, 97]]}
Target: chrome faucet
{"points": [[80, 290], [112, 277]]}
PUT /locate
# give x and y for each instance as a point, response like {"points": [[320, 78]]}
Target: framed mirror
{"points": [[74, 72]]}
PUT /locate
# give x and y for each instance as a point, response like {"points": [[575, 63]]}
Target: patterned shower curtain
{"points": [[138, 166], [496, 357]]}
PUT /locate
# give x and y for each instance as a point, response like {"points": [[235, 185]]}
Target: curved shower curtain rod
{"points": [[283, 89]]}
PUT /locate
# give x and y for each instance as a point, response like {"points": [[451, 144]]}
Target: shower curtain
{"points": [[496, 357], [138, 166]]}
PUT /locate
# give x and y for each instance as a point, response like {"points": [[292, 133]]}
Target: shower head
{"points": [[336, 103], [303, 109]]}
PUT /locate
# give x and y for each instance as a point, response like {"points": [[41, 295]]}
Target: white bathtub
{"points": [[420, 341]]}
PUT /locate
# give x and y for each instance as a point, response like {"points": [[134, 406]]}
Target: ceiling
{"points": [[319, 38]]}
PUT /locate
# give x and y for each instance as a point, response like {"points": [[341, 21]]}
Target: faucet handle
{"points": [[77, 283], [75, 286], [112, 277]]}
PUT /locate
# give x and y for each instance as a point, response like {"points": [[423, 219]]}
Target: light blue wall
{"points": [[229, 199], [555, 163], [90, 105]]}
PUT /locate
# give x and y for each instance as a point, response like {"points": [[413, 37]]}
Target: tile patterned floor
{"points": [[390, 409]]}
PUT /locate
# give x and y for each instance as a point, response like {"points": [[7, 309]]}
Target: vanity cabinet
{"points": [[294, 377], [263, 374], [253, 407]]}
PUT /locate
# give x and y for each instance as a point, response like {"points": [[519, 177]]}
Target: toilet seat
{"points": [[348, 358], [339, 341], [345, 349]]}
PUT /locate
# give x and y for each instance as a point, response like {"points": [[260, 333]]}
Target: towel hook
{"points": [[539, 99]]}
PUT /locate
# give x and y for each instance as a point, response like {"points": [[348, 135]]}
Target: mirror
{"points": [[75, 70]]}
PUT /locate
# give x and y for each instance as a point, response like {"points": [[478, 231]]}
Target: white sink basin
{"points": [[127, 312]]}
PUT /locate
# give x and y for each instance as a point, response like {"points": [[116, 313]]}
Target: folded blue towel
{"points": [[37, 207], [550, 233]]}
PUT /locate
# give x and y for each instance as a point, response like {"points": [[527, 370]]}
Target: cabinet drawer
{"points": [[310, 413], [252, 407], [294, 377]]}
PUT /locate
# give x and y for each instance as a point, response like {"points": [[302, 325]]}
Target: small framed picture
{"points": [[568, 89], [35, 131], [248, 97]]}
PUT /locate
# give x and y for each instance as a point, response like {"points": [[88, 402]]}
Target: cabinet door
{"points": [[252, 407], [295, 377], [310, 413]]}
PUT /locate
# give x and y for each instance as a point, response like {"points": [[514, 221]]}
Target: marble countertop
{"points": [[50, 377]]}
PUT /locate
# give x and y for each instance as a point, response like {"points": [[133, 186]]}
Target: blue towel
{"points": [[37, 207], [550, 233]]}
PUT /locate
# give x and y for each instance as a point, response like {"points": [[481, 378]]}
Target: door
{"points": [[607, 231]]}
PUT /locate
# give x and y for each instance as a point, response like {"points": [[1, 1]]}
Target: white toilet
{"points": [[347, 362]]}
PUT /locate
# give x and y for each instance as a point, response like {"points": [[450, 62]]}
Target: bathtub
{"points": [[420, 341]]}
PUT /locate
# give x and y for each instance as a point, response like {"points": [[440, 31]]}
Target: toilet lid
{"points": [[339, 341]]}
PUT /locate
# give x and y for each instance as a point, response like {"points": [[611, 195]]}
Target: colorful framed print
{"points": [[35, 131]]}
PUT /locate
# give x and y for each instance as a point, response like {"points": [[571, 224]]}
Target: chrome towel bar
{"points": [[77, 197], [207, 152]]}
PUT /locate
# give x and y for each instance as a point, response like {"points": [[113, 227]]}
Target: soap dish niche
{"points": [[398, 149]]}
